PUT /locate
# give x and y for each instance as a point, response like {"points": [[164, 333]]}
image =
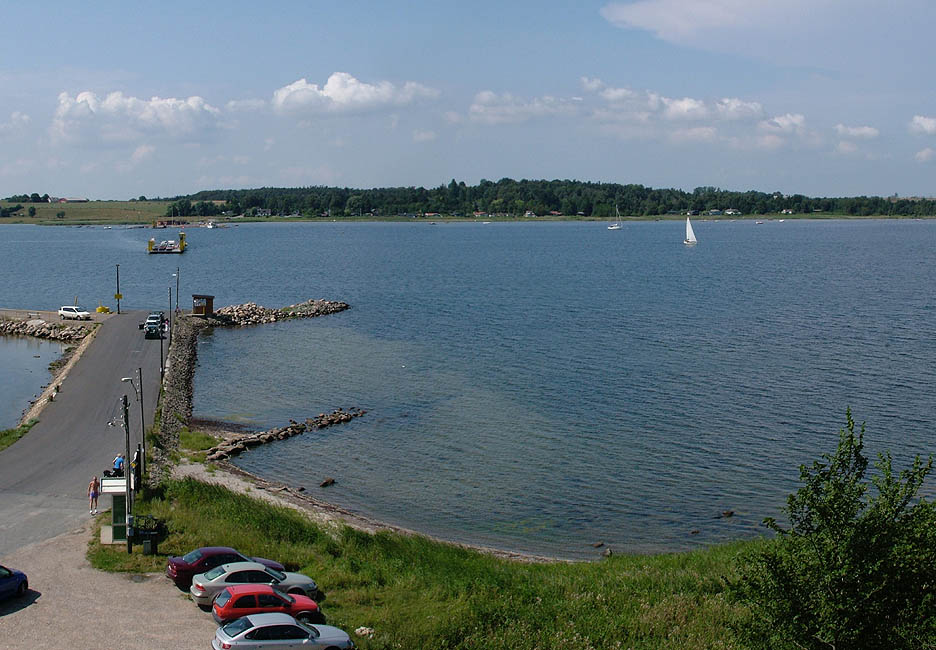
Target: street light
{"points": [[139, 395], [117, 295], [126, 473]]}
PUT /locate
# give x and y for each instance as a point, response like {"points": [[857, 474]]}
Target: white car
{"points": [[205, 586], [72, 311], [275, 630]]}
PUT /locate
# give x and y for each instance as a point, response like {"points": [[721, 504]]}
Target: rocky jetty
{"points": [[253, 314], [45, 330], [243, 442]]}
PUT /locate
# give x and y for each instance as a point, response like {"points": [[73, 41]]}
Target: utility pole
{"points": [[142, 424], [126, 473], [117, 295]]}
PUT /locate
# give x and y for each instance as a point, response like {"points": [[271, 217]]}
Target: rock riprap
{"points": [[45, 330], [251, 313], [243, 442]]}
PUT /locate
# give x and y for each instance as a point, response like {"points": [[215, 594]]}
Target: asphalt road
{"points": [[44, 476]]}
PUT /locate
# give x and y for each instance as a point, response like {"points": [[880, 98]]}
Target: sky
{"points": [[114, 100]]}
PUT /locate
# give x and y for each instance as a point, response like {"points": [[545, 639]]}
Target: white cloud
{"points": [[18, 122], [925, 155], [684, 109], [866, 132], [342, 93], [788, 123], [732, 108], [423, 136], [245, 105], [921, 124], [120, 118], [846, 148], [142, 152], [592, 85], [452, 117], [490, 108], [679, 19]]}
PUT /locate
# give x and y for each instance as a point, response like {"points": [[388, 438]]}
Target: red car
{"points": [[181, 569], [243, 600]]}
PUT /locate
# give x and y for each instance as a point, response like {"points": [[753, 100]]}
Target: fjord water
{"points": [[543, 386], [25, 363]]}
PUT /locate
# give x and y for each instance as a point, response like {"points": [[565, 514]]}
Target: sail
{"points": [[690, 236]]}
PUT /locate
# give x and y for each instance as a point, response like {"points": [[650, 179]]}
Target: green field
{"points": [[419, 593], [92, 212]]}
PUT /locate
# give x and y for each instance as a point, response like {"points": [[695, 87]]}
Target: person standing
{"points": [[94, 489]]}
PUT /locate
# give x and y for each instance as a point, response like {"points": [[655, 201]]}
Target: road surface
{"points": [[44, 476]]}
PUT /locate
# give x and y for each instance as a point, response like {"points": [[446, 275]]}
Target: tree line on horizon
{"points": [[514, 198]]}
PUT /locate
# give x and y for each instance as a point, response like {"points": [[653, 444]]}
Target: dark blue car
{"points": [[12, 583]]}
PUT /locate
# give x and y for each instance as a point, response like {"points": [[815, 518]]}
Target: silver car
{"points": [[205, 586], [278, 631]]}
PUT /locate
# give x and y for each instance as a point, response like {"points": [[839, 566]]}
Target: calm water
{"points": [[25, 362], [541, 387]]}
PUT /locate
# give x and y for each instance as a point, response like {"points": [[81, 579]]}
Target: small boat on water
{"points": [[167, 246], [690, 239], [617, 224]]}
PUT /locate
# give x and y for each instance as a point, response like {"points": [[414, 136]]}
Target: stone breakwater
{"points": [[245, 441], [44, 330], [253, 314], [175, 405]]}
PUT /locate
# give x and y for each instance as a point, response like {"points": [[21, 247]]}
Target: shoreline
{"points": [[176, 408], [74, 348]]}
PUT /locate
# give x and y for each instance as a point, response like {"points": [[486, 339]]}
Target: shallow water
{"points": [[540, 387], [25, 362]]}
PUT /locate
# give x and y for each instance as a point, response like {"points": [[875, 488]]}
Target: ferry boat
{"points": [[167, 246]]}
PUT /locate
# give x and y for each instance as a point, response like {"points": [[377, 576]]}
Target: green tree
{"points": [[32, 211], [856, 569]]}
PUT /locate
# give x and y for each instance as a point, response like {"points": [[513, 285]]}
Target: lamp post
{"points": [[139, 396], [162, 366], [177, 274], [170, 317], [126, 473], [118, 289]]}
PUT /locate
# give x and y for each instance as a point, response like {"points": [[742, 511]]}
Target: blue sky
{"points": [[112, 100]]}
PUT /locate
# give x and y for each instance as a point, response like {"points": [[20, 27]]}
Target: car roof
{"points": [[214, 550], [271, 618], [240, 590], [242, 566]]}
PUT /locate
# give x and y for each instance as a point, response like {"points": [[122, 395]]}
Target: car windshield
{"points": [[278, 575], [193, 557], [282, 594], [214, 573], [234, 628], [223, 597]]}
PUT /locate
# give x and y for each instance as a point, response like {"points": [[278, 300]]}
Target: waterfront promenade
{"points": [[44, 476]]}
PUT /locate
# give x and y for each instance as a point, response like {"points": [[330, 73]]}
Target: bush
{"points": [[857, 567]]}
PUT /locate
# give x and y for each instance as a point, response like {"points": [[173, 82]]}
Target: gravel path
{"points": [[71, 605]]}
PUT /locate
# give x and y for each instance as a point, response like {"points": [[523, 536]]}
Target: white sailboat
{"points": [[690, 239], [617, 224]]}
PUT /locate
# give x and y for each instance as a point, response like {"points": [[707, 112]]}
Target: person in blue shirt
{"points": [[118, 465]]}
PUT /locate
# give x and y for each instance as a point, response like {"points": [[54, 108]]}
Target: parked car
{"points": [[74, 312], [12, 583], [152, 330], [242, 600], [181, 569], [205, 586], [278, 631]]}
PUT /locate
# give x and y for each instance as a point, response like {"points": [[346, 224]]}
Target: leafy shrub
{"points": [[857, 567]]}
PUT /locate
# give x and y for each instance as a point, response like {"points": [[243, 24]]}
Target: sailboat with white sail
{"points": [[690, 239], [617, 224]]}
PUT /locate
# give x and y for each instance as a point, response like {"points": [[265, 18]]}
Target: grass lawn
{"points": [[9, 436], [418, 593], [92, 212]]}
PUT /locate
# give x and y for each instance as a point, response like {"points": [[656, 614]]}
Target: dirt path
{"points": [[71, 605]]}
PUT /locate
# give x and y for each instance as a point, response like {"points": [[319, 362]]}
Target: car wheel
{"points": [[21, 590], [311, 617]]}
